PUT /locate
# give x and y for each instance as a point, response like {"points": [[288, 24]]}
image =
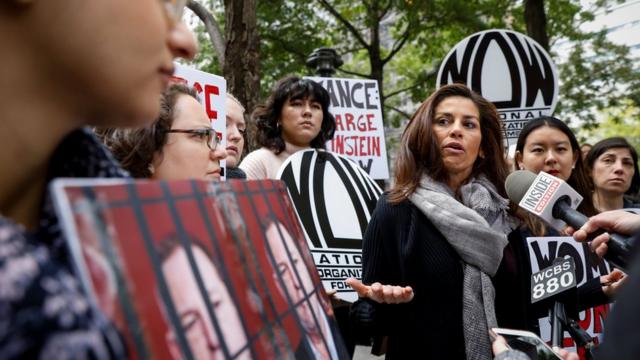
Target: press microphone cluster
{"points": [[555, 202]]}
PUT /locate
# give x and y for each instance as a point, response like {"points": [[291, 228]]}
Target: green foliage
{"points": [[623, 120], [595, 75]]}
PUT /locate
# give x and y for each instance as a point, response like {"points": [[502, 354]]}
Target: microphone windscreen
{"points": [[517, 184]]}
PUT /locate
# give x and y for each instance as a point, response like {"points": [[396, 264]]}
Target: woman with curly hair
{"points": [[295, 117]]}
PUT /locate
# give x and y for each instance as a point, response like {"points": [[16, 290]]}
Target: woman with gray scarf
{"points": [[438, 235]]}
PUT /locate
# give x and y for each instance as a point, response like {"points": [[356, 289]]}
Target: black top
{"points": [[402, 247]]}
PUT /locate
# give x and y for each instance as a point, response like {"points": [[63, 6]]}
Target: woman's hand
{"points": [[386, 294], [612, 281]]}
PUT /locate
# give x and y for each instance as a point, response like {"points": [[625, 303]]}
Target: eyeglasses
{"points": [[174, 9], [212, 137]]}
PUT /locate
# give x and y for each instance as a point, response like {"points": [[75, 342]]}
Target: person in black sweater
{"points": [[439, 234], [545, 144]]}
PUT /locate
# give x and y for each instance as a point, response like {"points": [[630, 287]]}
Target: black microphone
{"points": [[554, 201]]}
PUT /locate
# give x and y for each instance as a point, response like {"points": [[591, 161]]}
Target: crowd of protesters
{"points": [[444, 237]]}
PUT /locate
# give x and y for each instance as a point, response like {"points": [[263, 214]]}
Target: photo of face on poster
{"points": [[190, 270], [203, 335], [295, 283]]}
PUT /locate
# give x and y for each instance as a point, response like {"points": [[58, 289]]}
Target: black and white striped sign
{"points": [[507, 68], [334, 199]]}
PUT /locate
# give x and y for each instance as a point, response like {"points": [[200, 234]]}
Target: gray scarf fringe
{"points": [[476, 227]]}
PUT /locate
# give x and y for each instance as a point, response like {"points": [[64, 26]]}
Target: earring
{"points": [[152, 169]]}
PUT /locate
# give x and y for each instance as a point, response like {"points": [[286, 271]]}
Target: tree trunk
{"points": [[536, 20], [212, 27], [241, 67], [375, 58]]}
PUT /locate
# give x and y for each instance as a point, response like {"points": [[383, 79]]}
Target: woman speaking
{"points": [[439, 234]]}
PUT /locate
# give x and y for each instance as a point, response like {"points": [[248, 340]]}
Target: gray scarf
{"points": [[477, 228]]}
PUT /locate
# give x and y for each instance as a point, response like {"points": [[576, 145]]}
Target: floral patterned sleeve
{"points": [[43, 312]]}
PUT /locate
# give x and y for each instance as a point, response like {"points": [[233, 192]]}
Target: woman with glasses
{"points": [[68, 64], [295, 117], [180, 144]]}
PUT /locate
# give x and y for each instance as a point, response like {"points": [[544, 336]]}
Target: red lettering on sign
{"points": [[208, 91], [599, 314], [339, 126], [353, 145], [349, 118]]}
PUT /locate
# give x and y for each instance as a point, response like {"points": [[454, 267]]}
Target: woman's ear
{"points": [[518, 159]]}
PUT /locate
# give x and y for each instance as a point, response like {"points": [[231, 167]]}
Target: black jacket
{"points": [[402, 247]]}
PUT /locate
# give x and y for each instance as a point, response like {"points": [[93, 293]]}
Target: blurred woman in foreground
{"points": [[69, 64]]}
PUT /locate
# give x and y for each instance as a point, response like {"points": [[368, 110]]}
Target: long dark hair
{"points": [[419, 152], [267, 115], [616, 142]]}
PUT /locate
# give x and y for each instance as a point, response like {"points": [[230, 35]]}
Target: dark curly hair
{"points": [[135, 148], [267, 115]]}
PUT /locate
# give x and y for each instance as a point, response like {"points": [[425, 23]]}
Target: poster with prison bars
{"points": [[197, 270]]}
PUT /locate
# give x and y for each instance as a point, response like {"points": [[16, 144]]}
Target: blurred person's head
{"points": [[72, 63], [614, 167], [548, 144], [454, 135], [180, 144], [236, 129], [584, 150], [101, 62], [197, 325], [296, 112]]}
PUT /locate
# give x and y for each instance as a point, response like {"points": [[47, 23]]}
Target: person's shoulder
{"points": [[259, 153], [386, 209], [255, 163]]}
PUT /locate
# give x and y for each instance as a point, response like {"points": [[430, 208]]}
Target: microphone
{"points": [[555, 202]]}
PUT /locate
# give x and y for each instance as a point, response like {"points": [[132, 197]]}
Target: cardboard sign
{"points": [[195, 270], [212, 91], [359, 135], [509, 69], [553, 280], [334, 199], [542, 252]]}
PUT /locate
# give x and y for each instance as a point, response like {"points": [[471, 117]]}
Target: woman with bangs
{"points": [[545, 144], [295, 117]]}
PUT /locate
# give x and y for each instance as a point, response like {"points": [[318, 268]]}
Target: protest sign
{"points": [[334, 199], [542, 252], [355, 103], [197, 270], [509, 69]]}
